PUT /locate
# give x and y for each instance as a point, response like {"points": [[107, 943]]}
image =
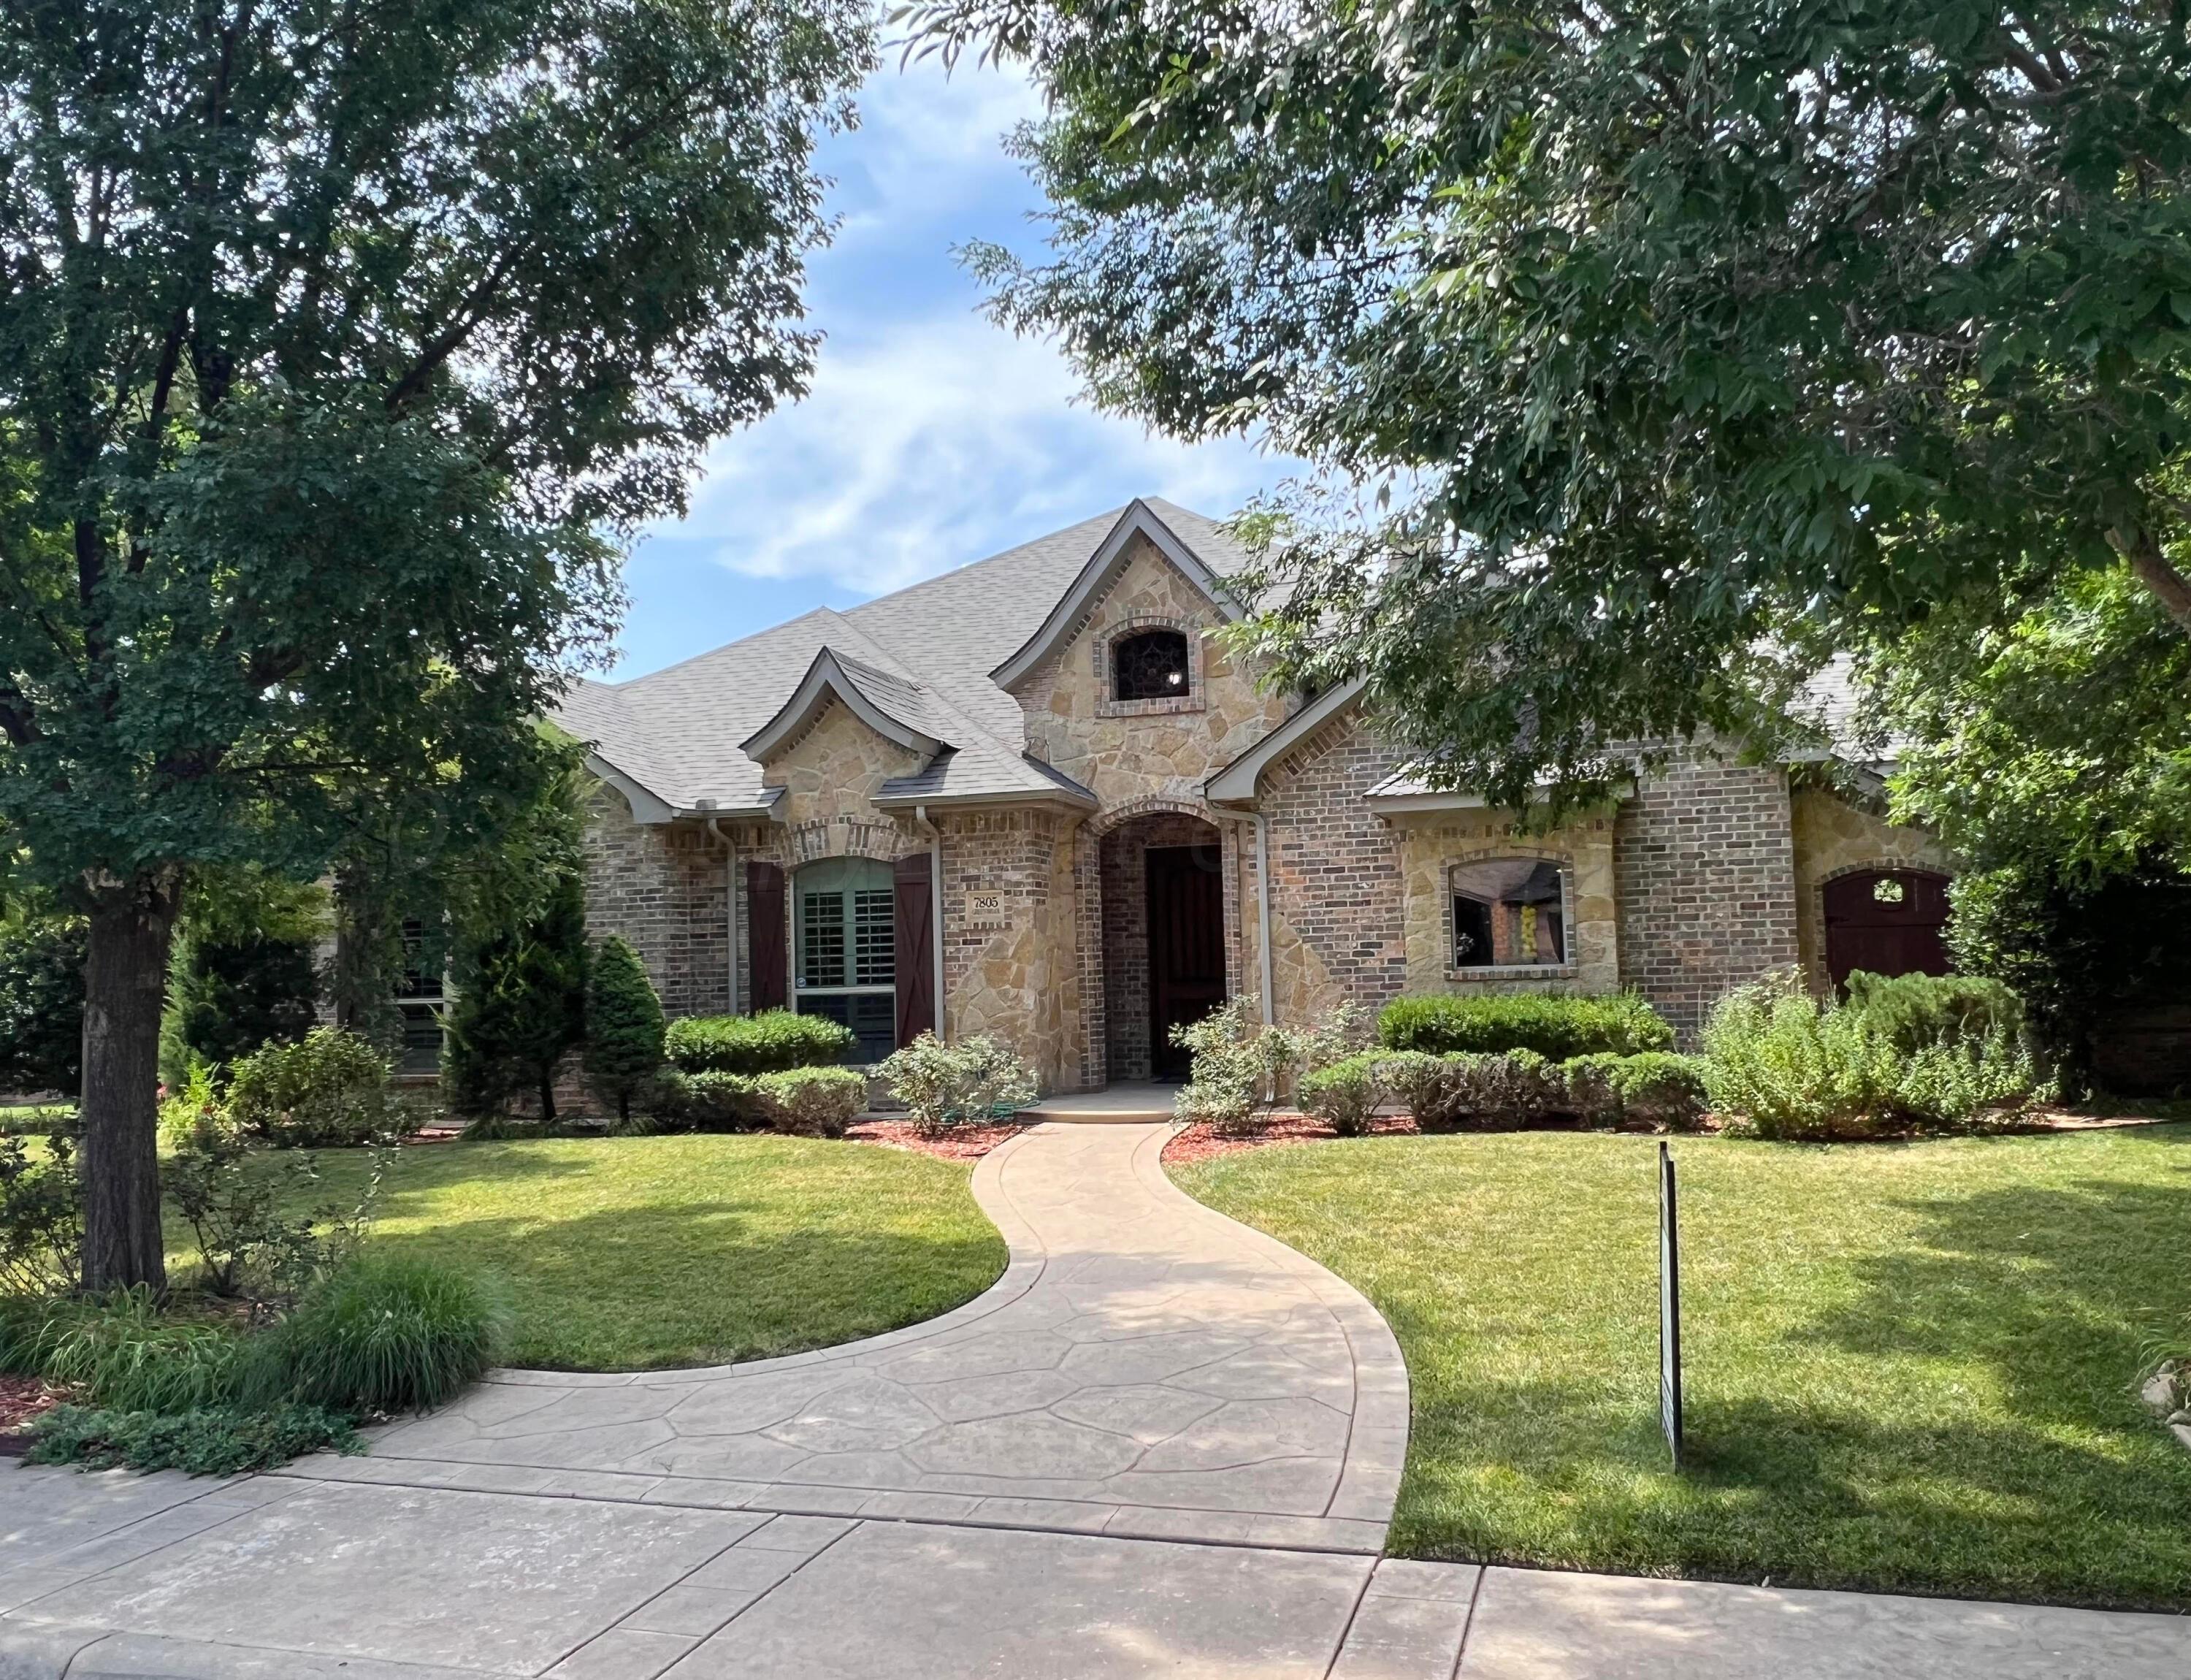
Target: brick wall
{"points": [[661, 886], [1703, 863], [1125, 932], [1336, 888]]}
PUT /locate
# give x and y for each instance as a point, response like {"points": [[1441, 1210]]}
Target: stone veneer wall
{"points": [[1009, 944], [1832, 838], [1125, 930], [1338, 928], [1432, 842], [1704, 858], [661, 886]]}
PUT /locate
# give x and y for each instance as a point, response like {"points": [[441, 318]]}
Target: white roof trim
{"points": [[1058, 796], [824, 678], [1139, 520], [1235, 785], [646, 807]]}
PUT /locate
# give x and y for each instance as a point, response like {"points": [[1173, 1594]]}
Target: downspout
{"points": [[729, 909], [935, 910], [1263, 912]]}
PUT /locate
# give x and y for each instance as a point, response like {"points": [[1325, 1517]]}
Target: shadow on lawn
{"points": [[2062, 1290], [706, 1281]]}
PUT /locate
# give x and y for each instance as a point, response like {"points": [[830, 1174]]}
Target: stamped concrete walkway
{"points": [[1160, 1445]]}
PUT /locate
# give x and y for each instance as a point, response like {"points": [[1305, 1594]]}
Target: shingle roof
{"points": [[922, 655]]}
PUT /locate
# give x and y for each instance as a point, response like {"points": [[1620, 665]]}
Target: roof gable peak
{"points": [[1138, 519]]}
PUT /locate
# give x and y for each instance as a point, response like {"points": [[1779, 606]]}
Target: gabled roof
{"points": [[891, 705], [1065, 620], [922, 658]]}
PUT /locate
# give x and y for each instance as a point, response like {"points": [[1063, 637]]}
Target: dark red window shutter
{"points": [[914, 947], [764, 933]]}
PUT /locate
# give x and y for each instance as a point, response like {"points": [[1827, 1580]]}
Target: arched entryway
{"points": [[1163, 938], [1885, 921]]}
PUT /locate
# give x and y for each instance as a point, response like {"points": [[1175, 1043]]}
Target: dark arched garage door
{"points": [[1885, 921]]}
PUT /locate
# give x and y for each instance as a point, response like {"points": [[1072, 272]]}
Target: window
{"points": [[419, 994], [847, 934], [1509, 913], [1149, 665]]}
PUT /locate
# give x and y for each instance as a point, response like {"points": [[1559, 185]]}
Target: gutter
{"points": [[935, 911], [1263, 912], [730, 907]]}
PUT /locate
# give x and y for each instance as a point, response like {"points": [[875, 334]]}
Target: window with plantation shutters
{"points": [[845, 940]]}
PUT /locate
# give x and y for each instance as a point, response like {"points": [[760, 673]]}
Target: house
{"points": [[1036, 797]]}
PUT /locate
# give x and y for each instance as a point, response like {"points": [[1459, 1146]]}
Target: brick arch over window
{"points": [[1102, 650]]}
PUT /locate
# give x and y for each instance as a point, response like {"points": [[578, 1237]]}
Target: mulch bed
{"points": [[23, 1401], [1200, 1143], [960, 1143]]}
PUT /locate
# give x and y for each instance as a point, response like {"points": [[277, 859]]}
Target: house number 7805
{"points": [[988, 901]]}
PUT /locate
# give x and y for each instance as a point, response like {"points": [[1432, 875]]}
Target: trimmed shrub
{"points": [[1344, 1095], [709, 1101], [1515, 1088], [624, 1028], [812, 1102], [1657, 1089], [207, 1441], [328, 1089], [767, 1043], [1552, 1024], [976, 1080], [1912, 1010], [380, 1335], [1428, 1087]]}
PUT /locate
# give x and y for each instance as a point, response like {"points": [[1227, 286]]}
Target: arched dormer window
{"points": [[1149, 665]]}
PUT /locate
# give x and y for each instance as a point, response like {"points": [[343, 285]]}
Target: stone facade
{"points": [[1708, 875], [1834, 837], [1431, 847], [1122, 752]]}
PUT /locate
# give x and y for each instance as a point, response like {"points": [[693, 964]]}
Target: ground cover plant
{"points": [[1910, 1366], [627, 1253]]}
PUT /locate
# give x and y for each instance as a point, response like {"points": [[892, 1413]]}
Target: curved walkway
{"points": [[1144, 1366], [1159, 1449]]}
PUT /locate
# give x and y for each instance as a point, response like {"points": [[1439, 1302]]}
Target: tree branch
{"points": [[2170, 587]]}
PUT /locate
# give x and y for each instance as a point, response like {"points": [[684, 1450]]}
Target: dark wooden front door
{"points": [[1187, 946], [1885, 921]]}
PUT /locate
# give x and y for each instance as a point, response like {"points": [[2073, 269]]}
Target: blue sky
{"points": [[930, 438]]}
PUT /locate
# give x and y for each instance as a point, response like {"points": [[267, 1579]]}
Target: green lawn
{"points": [[628, 1253], [1908, 1366]]}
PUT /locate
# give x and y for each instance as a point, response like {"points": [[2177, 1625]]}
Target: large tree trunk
{"points": [[125, 977], [2169, 586]]}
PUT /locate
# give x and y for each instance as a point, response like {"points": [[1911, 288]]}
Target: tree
{"points": [[1683, 340], [624, 1027], [520, 1008], [2053, 750], [341, 341], [41, 1001], [242, 972]]}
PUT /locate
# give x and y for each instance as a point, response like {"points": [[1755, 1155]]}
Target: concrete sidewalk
{"points": [[1162, 1444]]}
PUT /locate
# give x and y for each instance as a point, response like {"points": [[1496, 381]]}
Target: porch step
{"points": [[1134, 1104]]}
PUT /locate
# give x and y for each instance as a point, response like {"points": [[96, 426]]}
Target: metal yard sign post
{"points": [[1670, 1308]]}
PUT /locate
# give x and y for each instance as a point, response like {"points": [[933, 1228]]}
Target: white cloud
{"points": [[946, 442]]}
